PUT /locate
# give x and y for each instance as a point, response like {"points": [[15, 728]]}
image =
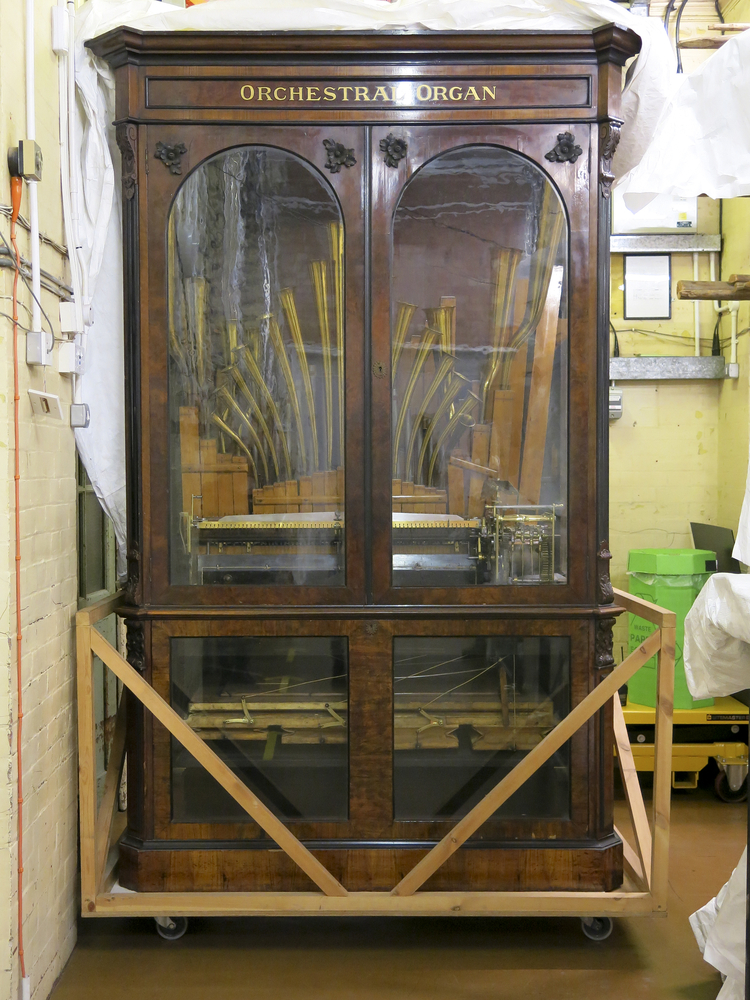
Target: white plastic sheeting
{"points": [[717, 663], [102, 444], [701, 143]]}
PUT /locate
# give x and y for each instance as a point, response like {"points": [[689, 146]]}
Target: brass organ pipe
{"points": [[318, 272], [290, 311], [244, 389], [446, 366], [195, 293], [227, 397], [336, 236], [440, 320], [428, 339], [504, 266], [278, 345], [235, 437], [550, 232], [174, 342], [252, 367], [455, 385], [403, 321], [470, 403]]}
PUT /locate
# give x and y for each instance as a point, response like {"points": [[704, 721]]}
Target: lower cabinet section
{"points": [[571, 866], [370, 739]]}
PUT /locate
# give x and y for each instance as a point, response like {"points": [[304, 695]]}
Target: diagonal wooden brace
{"points": [[541, 753], [216, 767]]}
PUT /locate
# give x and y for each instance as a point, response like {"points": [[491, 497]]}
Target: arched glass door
{"points": [[255, 262], [479, 419]]}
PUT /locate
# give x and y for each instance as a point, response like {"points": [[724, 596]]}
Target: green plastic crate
{"points": [[671, 578]]}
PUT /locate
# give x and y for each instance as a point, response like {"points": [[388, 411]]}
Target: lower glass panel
{"points": [[275, 710], [466, 710]]}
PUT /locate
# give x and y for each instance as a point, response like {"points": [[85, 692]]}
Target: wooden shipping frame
{"points": [[645, 884]]}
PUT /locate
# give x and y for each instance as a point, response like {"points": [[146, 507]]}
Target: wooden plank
{"points": [[619, 903], [662, 770], [190, 452], [396, 491], [632, 787], [210, 493], [456, 494], [291, 490], [331, 489], [86, 763], [407, 490], [631, 862], [215, 767], [480, 455], [102, 609], [108, 806], [518, 388], [240, 492], [537, 415], [318, 488], [551, 743], [502, 421], [713, 290], [305, 490], [340, 486], [661, 617], [226, 493]]}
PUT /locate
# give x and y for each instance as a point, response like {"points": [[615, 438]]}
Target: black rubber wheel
{"points": [[174, 933], [725, 792], [597, 928]]}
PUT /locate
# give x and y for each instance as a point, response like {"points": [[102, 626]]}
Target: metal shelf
{"points": [[652, 369], [665, 243]]}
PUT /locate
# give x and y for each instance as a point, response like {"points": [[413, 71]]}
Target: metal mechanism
{"points": [[523, 543]]}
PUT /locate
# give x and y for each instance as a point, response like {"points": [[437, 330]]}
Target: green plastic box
{"points": [[671, 578]]}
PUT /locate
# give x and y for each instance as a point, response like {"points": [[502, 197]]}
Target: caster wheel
{"points": [[596, 928], [171, 928], [725, 792]]}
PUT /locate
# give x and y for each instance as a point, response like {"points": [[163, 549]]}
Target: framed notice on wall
{"points": [[648, 286]]}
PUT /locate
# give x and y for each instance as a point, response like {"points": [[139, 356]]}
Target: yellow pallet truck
{"points": [[700, 734]]}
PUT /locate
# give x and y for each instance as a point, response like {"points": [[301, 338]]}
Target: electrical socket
{"points": [[45, 404]]}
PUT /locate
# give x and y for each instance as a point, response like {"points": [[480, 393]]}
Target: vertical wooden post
{"points": [[86, 759], [663, 765]]}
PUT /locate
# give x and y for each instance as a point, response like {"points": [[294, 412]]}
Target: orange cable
{"points": [[16, 189]]}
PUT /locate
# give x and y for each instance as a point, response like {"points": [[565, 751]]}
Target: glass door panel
{"points": [[466, 711], [256, 373], [276, 711], [479, 373]]}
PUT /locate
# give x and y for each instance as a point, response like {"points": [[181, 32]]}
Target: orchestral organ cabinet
{"points": [[366, 305]]}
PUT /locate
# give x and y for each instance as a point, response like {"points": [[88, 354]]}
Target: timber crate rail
{"points": [[644, 889]]}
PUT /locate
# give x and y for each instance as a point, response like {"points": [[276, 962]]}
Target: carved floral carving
{"points": [[394, 149], [136, 641], [565, 150], [338, 156], [171, 156], [604, 657], [605, 593]]}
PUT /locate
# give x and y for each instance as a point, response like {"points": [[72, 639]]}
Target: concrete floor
{"points": [[427, 959]]}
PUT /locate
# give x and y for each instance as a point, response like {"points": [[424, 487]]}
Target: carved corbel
{"points": [[136, 645], [127, 140], [609, 137], [603, 644], [605, 592]]}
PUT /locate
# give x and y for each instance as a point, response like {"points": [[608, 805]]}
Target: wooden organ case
{"points": [[366, 312]]}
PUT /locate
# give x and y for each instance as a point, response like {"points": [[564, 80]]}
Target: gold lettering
{"points": [[361, 93], [424, 92], [439, 94], [488, 92], [278, 95], [264, 93], [394, 93], [315, 96], [455, 93], [382, 95], [346, 91], [247, 96], [295, 94], [329, 94], [471, 93]]}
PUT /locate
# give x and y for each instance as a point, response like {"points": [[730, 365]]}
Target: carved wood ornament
{"points": [[609, 137], [127, 140]]}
